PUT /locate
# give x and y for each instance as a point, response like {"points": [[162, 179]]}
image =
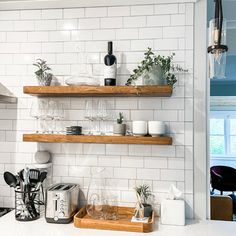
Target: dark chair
{"points": [[223, 178]]}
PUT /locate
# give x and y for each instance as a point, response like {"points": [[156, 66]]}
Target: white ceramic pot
{"points": [[156, 128], [139, 128]]}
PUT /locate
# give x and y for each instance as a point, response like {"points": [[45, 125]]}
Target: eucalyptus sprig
{"points": [[165, 63]]}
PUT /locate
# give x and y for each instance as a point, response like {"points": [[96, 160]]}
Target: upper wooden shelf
{"points": [[61, 138], [99, 91]]}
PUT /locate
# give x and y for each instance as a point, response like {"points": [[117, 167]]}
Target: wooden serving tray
{"points": [[83, 220]]}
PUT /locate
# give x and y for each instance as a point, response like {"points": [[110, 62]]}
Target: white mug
{"points": [[139, 128], [156, 128]]}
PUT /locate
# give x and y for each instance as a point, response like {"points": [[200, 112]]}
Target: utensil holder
{"points": [[27, 205]]}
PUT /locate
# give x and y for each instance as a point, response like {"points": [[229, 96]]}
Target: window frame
{"points": [[226, 115]]}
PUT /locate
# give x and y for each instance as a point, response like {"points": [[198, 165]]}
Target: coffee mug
{"points": [[139, 128], [156, 128]]}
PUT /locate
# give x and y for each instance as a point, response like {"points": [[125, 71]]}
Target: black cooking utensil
{"points": [[10, 179]]}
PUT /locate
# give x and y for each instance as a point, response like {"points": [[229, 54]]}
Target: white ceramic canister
{"points": [[139, 128], [156, 128]]}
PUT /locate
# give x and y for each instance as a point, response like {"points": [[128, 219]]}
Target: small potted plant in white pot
{"points": [[144, 195], [42, 74], [119, 128]]}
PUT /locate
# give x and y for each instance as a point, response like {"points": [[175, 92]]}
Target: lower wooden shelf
{"points": [[61, 138]]}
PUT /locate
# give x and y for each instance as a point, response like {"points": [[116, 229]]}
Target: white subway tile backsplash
{"points": [[59, 36], [142, 10], [96, 149], [106, 160], [173, 175], [173, 103], [74, 13], [136, 161], [125, 173], [23, 25], [146, 174], [92, 23], [38, 36], [149, 103], [150, 33], [189, 14], [141, 45], [119, 11], [104, 35], [134, 21], [111, 22], [45, 25], [52, 47], [126, 34], [139, 150], [52, 14], [6, 26], [116, 149], [71, 24], [30, 47], [155, 162], [3, 36], [30, 14], [174, 32], [166, 9], [166, 44], [96, 12], [176, 163], [178, 19], [163, 151], [163, 20], [10, 15], [166, 115], [72, 39]]}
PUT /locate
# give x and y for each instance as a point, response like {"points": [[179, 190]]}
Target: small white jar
{"points": [[156, 128], [139, 128]]}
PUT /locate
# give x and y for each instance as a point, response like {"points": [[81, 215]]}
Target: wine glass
{"points": [[35, 112], [59, 115], [89, 114], [52, 105], [102, 115]]}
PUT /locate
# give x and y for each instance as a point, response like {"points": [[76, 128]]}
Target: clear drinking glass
{"points": [[35, 112], [89, 114], [102, 116], [59, 115]]}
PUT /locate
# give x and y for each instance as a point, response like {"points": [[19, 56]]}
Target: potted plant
{"points": [[44, 78], [155, 70], [119, 128], [143, 194]]}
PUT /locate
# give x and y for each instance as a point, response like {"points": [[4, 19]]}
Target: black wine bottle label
{"points": [[110, 67]]}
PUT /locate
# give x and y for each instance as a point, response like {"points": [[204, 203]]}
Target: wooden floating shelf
{"points": [[99, 91], [61, 138]]}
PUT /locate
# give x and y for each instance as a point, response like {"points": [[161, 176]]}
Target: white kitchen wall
{"points": [[71, 38]]}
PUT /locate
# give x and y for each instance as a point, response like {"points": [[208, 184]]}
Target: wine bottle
{"points": [[110, 69]]}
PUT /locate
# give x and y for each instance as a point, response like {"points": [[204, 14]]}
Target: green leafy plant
{"points": [[143, 193], [165, 63], [120, 119], [42, 69]]}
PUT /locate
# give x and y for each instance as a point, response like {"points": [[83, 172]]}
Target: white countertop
{"points": [[10, 227]]}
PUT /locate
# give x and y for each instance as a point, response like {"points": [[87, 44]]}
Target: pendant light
{"points": [[217, 43]]}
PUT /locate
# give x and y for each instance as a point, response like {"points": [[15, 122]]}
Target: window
{"points": [[223, 133]]}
